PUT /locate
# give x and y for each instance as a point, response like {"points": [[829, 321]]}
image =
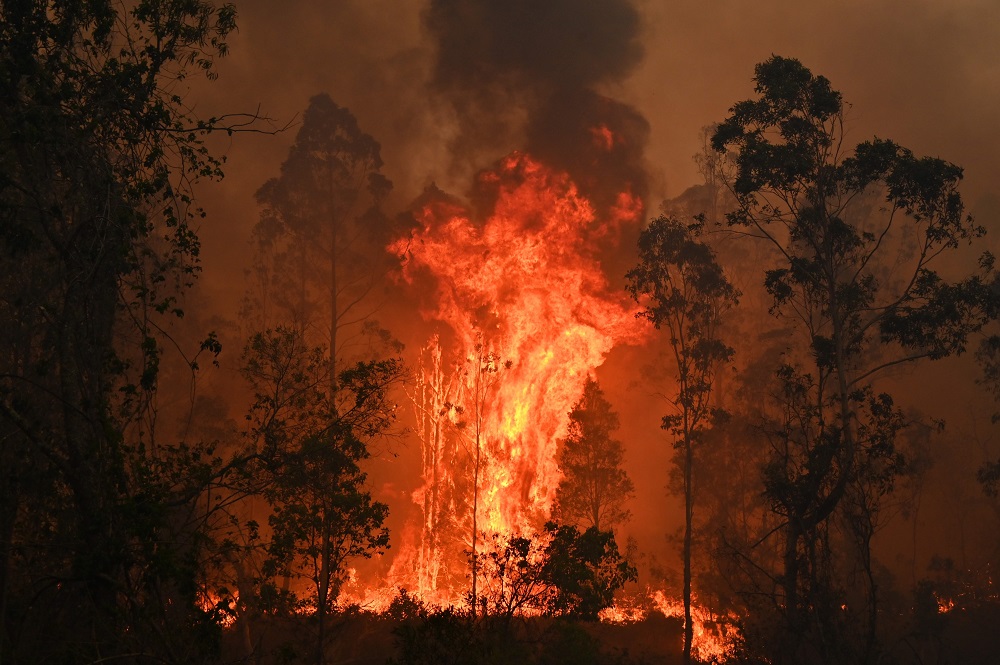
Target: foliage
{"points": [[406, 606], [858, 232], [989, 477], [564, 572], [594, 488], [684, 290], [99, 537], [311, 445]]}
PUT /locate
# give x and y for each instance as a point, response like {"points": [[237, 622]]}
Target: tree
{"points": [[562, 572], [319, 244], [685, 291], [322, 513], [858, 232], [584, 569], [98, 155], [988, 476], [594, 487], [318, 260]]}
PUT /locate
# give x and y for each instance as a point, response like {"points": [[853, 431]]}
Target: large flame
{"points": [[528, 316]]}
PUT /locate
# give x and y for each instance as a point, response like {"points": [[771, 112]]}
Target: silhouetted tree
{"points": [[98, 154], [319, 245], [685, 292], [562, 572], [594, 488], [322, 513], [858, 231]]}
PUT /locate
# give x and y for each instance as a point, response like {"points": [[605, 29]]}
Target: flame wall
{"points": [[528, 315]]}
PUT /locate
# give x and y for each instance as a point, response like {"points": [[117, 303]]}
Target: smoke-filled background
{"points": [[448, 88]]}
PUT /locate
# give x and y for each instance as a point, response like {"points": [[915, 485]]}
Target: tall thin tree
{"points": [[319, 245], [685, 292]]}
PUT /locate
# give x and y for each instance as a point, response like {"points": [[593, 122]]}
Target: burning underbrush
{"points": [[642, 629]]}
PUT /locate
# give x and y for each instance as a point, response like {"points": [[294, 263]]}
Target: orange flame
{"points": [[528, 309], [713, 638]]}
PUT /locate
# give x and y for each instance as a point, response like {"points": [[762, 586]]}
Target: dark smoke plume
{"points": [[525, 74]]}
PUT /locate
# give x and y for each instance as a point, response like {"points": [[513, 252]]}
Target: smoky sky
{"points": [[525, 74], [529, 44]]}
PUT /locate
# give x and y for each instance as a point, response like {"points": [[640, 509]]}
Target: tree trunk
{"points": [[688, 529], [322, 594], [8, 517], [790, 578], [334, 313]]}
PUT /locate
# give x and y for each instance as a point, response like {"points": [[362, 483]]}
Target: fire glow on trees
{"points": [[523, 298]]}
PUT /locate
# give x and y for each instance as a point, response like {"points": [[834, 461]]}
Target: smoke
{"points": [[527, 75]]}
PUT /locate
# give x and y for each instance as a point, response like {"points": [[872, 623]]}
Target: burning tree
{"points": [[525, 278], [858, 232], [481, 381], [594, 488], [685, 292]]}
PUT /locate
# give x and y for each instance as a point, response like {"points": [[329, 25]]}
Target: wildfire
{"points": [[222, 609], [945, 604], [528, 316], [713, 634], [713, 642]]}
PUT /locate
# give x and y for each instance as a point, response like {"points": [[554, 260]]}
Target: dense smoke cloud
{"points": [[527, 44], [525, 75]]}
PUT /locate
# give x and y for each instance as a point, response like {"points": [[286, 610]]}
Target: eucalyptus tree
{"points": [[860, 232], [319, 243]]}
